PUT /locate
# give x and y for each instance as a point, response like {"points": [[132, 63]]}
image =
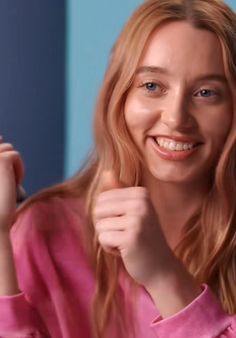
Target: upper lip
{"points": [[182, 139]]}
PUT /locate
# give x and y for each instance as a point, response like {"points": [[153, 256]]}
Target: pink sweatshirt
{"points": [[57, 286]]}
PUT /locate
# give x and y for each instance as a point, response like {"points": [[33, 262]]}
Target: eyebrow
{"points": [[164, 71], [152, 69]]}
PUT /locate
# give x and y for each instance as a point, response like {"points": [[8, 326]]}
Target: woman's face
{"points": [[179, 108]]}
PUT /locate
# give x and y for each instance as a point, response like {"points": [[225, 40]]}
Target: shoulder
{"points": [[48, 248], [41, 212], [50, 221]]}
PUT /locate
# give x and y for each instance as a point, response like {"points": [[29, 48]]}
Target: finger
{"points": [[12, 158], [116, 208], [6, 146], [109, 181], [104, 210], [20, 191], [111, 240], [124, 194], [18, 166], [110, 224]]}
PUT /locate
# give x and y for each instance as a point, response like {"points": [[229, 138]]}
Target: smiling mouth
{"points": [[175, 146]]}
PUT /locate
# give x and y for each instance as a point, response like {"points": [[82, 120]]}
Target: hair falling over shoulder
{"points": [[208, 248]]}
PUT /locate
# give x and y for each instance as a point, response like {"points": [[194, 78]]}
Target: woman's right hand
{"points": [[11, 175]]}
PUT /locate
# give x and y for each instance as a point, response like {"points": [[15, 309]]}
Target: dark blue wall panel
{"points": [[32, 58]]}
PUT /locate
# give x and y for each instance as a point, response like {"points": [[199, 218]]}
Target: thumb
{"points": [[109, 180]]}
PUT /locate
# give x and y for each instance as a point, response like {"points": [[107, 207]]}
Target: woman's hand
{"points": [[11, 174], [126, 223]]}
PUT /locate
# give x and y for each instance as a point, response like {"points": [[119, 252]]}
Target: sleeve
{"points": [[203, 318], [18, 317]]}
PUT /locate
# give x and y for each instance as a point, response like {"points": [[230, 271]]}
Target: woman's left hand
{"points": [[127, 224]]}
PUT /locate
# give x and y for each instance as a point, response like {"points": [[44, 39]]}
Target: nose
{"points": [[176, 113]]}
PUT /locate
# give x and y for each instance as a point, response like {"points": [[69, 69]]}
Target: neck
{"points": [[175, 204]]}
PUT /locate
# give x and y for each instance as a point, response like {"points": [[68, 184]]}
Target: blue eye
{"points": [[206, 93], [151, 86]]}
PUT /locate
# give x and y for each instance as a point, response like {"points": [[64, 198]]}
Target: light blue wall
{"points": [[232, 3], [91, 31]]}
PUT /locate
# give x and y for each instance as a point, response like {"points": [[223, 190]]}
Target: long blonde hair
{"points": [[208, 248]]}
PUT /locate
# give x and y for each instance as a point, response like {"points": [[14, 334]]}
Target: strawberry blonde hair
{"points": [[208, 247]]}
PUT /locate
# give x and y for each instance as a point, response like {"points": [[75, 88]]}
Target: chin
{"points": [[176, 176]]}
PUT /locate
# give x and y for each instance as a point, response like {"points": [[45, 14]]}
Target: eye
{"points": [[206, 93], [151, 86]]}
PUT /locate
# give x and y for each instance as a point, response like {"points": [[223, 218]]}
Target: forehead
{"points": [[182, 48]]}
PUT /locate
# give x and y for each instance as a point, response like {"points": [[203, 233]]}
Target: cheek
{"points": [[138, 114], [219, 126], [224, 122]]}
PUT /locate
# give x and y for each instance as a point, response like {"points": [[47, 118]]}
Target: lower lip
{"points": [[171, 155]]}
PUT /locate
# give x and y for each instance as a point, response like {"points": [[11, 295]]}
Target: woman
{"points": [[141, 243]]}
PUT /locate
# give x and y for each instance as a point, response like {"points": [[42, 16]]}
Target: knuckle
{"points": [[5, 161], [99, 225], [10, 154], [97, 214], [140, 207], [142, 192], [16, 154], [96, 226], [6, 145], [101, 196], [102, 238], [10, 158], [95, 211]]}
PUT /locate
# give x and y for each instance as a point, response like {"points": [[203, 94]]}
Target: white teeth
{"points": [[165, 144], [174, 146], [179, 147], [161, 142]]}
